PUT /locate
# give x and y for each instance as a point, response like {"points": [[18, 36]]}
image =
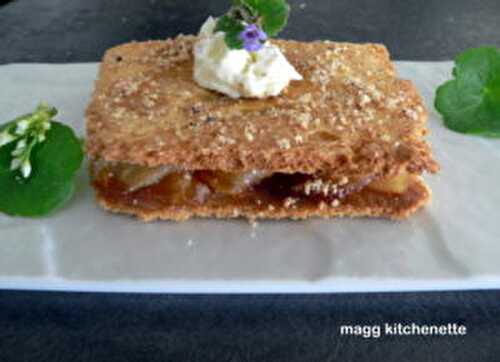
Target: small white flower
{"points": [[5, 138], [26, 169], [46, 126], [15, 164], [22, 127], [21, 144], [17, 152], [20, 148], [28, 132]]}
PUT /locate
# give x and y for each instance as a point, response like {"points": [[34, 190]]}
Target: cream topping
{"points": [[239, 73]]}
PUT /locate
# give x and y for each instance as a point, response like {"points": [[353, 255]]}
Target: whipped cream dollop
{"points": [[239, 73]]}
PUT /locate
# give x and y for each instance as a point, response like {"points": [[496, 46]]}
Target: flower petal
{"points": [[22, 127], [15, 164], [6, 138], [26, 169]]}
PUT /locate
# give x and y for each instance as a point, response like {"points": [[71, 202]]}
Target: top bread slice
{"points": [[350, 115]]}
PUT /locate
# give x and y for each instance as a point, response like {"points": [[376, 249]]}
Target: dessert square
{"points": [[348, 140]]}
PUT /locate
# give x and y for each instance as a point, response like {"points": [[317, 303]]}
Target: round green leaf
{"points": [[233, 29], [470, 103], [51, 183], [274, 14]]}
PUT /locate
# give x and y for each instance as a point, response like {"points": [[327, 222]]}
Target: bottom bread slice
{"points": [[365, 203]]}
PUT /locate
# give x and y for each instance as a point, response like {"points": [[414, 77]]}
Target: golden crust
{"points": [[366, 203], [350, 115]]}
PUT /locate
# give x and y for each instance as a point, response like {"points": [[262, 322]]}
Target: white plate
{"points": [[452, 244]]}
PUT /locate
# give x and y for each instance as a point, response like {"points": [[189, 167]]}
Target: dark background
{"points": [[81, 30], [122, 327]]}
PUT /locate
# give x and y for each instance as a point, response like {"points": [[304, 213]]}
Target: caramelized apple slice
{"points": [[229, 182], [179, 188], [137, 177], [134, 177], [396, 184]]}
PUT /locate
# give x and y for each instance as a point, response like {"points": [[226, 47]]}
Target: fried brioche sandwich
{"points": [[348, 140]]}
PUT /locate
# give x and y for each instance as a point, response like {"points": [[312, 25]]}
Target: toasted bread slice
{"points": [[351, 117]]}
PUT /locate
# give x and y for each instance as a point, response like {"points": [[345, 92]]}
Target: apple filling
{"points": [[170, 185]]}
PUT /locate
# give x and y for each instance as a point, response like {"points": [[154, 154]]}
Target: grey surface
{"points": [[69, 31], [96, 327], [100, 327], [451, 244]]}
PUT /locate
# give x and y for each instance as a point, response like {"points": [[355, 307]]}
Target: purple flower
{"points": [[253, 38]]}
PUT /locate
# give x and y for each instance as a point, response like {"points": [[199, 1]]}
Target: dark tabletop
{"points": [[122, 327]]}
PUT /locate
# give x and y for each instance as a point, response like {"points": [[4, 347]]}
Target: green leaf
{"points": [[470, 103], [273, 13], [55, 163], [233, 29]]}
